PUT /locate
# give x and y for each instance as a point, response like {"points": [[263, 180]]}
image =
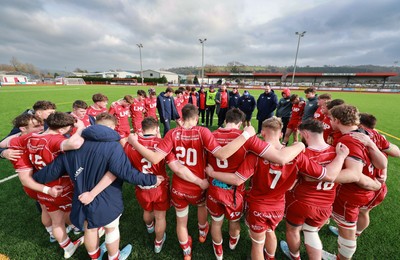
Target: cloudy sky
{"points": [[102, 34]]}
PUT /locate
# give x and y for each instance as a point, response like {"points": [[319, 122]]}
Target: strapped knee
{"points": [[182, 213], [311, 238], [113, 235], [218, 219], [347, 247]]}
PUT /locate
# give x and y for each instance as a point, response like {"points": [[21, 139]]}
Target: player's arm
{"points": [[10, 154], [285, 155], [27, 181], [87, 197], [51, 172], [151, 156], [392, 151], [184, 173], [5, 142], [228, 178], [352, 171], [226, 151], [75, 141], [368, 183], [378, 159], [333, 168]]}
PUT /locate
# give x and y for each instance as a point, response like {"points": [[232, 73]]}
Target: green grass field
{"points": [[22, 235]]}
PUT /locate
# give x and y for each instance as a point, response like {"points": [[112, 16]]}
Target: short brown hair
{"points": [[106, 116], [43, 105], [325, 96], [235, 115], [309, 90], [189, 111], [348, 115], [149, 123], [79, 104], [142, 93], [314, 126], [169, 89], [99, 97], [334, 103], [273, 123], [128, 98], [59, 120], [24, 119], [368, 120]]}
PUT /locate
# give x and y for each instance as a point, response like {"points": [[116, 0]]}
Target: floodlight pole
{"points": [[202, 59], [141, 67], [297, 52]]}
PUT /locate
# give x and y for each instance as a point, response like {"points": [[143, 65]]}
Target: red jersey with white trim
{"points": [[318, 115], [19, 143], [92, 111], [150, 105], [137, 110], [224, 136], [378, 139], [270, 181], [179, 103], [44, 148], [189, 147], [85, 120], [121, 113], [327, 129], [312, 191], [141, 163], [297, 112], [185, 98], [358, 152]]}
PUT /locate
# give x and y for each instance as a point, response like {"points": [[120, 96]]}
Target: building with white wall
{"points": [[155, 74]]}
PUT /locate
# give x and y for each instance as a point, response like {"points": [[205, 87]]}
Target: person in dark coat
{"points": [[234, 98], [166, 108], [284, 109], [100, 155], [311, 104], [247, 104], [266, 105]]}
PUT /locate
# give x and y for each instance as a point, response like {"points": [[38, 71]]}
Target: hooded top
{"points": [[101, 152], [166, 108]]}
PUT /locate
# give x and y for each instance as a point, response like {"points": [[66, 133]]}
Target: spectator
{"points": [[266, 105], [234, 98], [284, 109], [222, 99], [247, 104], [210, 106], [166, 108], [311, 104], [201, 103]]}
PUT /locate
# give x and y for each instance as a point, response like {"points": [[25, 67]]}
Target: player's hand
{"points": [[363, 138], [209, 170], [79, 124], [342, 150], [86, 198], [203, 184], [377, 185], [250, 130], [11, 154], [133, 139], [55, 191], [160, 179]]}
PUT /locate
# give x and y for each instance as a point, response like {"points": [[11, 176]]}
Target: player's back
{"points": [[310, 190], [44, 148], [141, 163], [359, 153]]}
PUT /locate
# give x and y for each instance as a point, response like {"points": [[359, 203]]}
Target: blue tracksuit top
{"points": [[266, 105], [101, 152]]}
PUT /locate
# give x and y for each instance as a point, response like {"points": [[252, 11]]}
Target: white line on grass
{"points": [[8, 178]]}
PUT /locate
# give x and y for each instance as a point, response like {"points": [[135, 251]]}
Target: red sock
{"points": [[95, 254]]}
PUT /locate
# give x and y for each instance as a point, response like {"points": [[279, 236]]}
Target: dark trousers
{"points": [[166, 126], [221, 116], [285, 122], [202, 113], [210, 115]]}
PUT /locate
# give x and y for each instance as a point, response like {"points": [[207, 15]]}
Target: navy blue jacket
{"points": [[266, 105], [234, 99], [310, 108], [101, 152], [247, 103], [166, 108]]}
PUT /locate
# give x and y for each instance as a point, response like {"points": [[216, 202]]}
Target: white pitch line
{"points": [[8, 178]]}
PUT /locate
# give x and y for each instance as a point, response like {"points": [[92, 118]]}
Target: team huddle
{"points": [[73, 164]]}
